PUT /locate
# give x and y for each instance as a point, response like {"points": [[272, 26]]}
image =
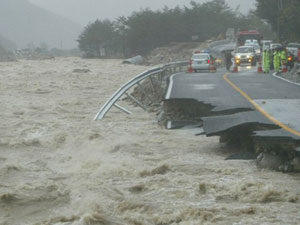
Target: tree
{"points": [[146, 29], [95, 37], [282, 15], [121, 30], [290, 22]]}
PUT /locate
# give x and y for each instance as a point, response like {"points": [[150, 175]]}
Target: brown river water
{"points": [[59, 167]]}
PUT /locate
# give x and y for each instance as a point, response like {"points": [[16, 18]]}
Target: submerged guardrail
{"points": [[167, 69]]}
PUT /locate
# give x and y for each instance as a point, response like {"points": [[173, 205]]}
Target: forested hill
{"points": [[24, 23], [6, 44]]}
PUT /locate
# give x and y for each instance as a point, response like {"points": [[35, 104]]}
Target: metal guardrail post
{"points": [[122, 108], [152, 84], [136, 101], [160, 75], [143, 91]]}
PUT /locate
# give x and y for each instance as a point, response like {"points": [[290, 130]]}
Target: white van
{"points": [[266, 44]]}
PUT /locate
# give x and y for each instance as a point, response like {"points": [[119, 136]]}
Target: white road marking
{"points": [[274, 74], [168, 95], [169, 124], [203, 86]]}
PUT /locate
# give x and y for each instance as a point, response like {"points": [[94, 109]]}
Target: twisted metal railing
{"points": [[161, 72]]}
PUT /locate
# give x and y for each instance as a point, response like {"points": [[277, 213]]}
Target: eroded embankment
{"points": [[238, 127]]}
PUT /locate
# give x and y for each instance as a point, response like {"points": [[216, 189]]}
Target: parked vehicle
{"points": [[293, 45], [266, 44], [242, 36], [291, 59], [202, 61], [245, 54], [293, 51], [273, 46], [292, 48], [256, 49]]}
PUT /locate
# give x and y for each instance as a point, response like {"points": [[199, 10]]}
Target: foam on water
{"points": [[58, 167]]}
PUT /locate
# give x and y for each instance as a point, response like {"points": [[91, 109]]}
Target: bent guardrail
{"points": [[171, 68], [217, 43]]}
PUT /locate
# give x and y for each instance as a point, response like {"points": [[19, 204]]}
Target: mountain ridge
{"points": [[27, 24]]}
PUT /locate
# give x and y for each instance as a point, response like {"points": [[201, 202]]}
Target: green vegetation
{"points": [[97, 36], [283, 16], [147, 29]]}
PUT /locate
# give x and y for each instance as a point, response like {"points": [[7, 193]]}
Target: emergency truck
{"points": [[242, 36]]}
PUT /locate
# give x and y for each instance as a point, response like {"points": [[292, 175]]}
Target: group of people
{"points": [[270, 59], [274, 60]]}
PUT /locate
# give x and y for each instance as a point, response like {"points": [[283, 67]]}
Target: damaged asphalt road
{"points": [[246, 103]]}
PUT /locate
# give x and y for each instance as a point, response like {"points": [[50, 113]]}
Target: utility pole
{"points": [[280, 7]]}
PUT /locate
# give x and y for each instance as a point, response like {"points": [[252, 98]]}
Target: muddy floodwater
{"points": [[59, 167]]}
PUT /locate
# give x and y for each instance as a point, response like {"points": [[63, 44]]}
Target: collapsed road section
{"points": [[254, 111]]}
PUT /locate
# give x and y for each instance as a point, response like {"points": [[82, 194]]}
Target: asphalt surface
{"points": [[245, 101]]}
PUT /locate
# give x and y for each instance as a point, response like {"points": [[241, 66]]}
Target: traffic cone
{"points": [[284, 68], [190, 69], [235, 68], [259, 68]]}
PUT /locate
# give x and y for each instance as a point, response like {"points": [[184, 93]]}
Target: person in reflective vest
{"points": [[266, 60], [276, 61], [283, 57]]}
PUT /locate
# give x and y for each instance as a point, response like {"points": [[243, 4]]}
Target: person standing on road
{"points": [[276, 60], [271, 60], [271, 54], [283, 57], [228, 60], [266, 60]]}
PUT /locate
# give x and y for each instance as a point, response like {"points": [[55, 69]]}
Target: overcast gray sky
{"points": [[85, 11]]}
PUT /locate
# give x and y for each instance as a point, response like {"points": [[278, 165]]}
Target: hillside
{"points": [[24, 23], [6, 44]]}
